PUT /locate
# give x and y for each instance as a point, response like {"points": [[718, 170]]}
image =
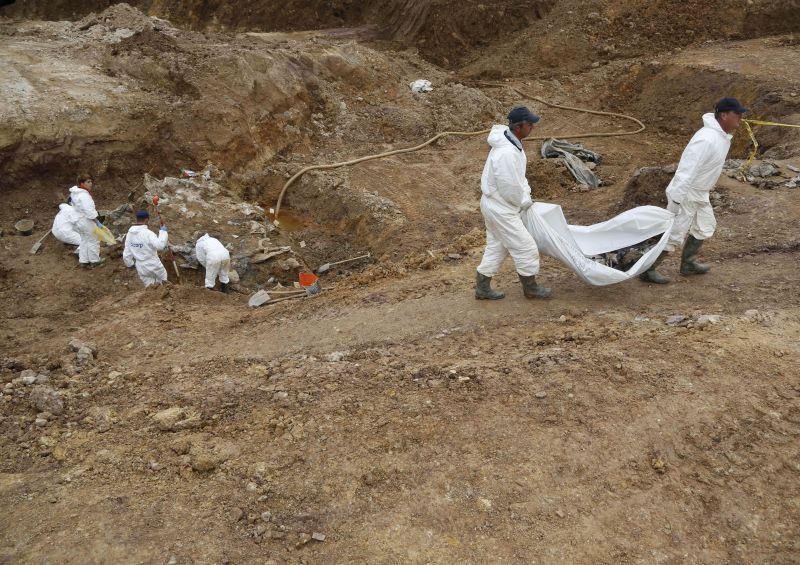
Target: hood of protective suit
{"points": [[710, 121], [499, 138], [503, 177], [701, 163], [77, 190]]}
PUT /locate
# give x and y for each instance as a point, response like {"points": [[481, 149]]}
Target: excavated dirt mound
{"points": [[392, 417]]}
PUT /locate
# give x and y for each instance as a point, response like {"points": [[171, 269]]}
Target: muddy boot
{"points": [[688, 264], [224, 287], [531, 289], [483, 289], [653, 276]]}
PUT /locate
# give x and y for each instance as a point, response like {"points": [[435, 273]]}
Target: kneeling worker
{"points": [[216, 259], [141, 249], [64, 225]]}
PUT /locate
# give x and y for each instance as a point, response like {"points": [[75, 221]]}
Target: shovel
{"points": [[327, 266], [169, 255], [38, 244]]}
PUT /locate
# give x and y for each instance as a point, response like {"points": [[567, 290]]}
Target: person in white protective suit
{"points": [[64, 225], [216, 259], [505, 195], [688, 194], [141, 249], [85, 222]]}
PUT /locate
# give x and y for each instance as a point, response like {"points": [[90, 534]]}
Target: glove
{"points": [[98, 223]]}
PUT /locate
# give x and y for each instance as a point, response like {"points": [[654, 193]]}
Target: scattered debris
{"points": [[573, 154], [420, 85]]}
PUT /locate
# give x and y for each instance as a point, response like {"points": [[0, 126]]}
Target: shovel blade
{"points": [[323, 268], [36, 247]]}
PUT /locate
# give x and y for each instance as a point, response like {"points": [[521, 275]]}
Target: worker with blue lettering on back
{"points": [[142, 247]]}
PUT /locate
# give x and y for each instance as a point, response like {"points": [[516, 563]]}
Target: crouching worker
{"points": [[216, 259], [64, 225], [141, 249]]}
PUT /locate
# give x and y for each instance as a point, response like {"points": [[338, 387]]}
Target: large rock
{"points": [[207, 456], [176, 418], [45, 399]]}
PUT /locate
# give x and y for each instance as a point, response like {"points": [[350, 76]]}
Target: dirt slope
{"points": [[392, 418]]}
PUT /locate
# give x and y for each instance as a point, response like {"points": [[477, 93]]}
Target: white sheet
{"points": [[572, 245]]}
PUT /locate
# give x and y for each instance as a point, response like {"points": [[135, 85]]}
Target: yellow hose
{"points": [[303, 171]]}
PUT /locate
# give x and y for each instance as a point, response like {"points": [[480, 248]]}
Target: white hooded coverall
{"points": [[215, 258], [698, 171], [506, 194], [141, 248], [64, 225], [85, 217]]}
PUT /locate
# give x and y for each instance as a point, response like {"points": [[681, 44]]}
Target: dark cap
{"points": [[522, 114], [729, 105], [142, 215]]}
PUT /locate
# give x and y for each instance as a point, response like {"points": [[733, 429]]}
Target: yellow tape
{"points": [[760, 123], [740, 172]]}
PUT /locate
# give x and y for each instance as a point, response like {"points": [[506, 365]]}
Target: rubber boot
{"points": [[531, 289], [484, 290], [688, 264], [653, 276], [224, 287]]}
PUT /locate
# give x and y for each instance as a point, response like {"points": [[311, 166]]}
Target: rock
{"points": [[793, 168], [454, 256], [234, 276], [76, 344], [45, 399], [707, 319], [675, 319], [176, 418], [560, 513], [258, 299], [27, 377], [237, 514], [751, 314], [40, 422], [207, 456], [42, 378], [102, 417], [336, 356], [84, 355], [266, 516], [114, 375], [289, 264], [765, 169], [318, 536], [541, 394]]}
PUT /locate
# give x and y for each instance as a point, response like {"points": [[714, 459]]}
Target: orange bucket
{"points": [[307, 279]]}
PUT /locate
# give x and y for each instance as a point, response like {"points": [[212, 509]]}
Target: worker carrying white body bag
{"points": [[585, 249]]}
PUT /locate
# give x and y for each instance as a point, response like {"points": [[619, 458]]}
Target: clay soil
{"points": [[392, 418]]}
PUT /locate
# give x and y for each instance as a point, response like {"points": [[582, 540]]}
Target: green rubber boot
{"points": [[484, 290], [688, 264], [531, 289], [653, 276]]}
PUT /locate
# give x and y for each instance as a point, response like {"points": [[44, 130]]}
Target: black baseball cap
{"points": [[729, 105], [522, 114]]}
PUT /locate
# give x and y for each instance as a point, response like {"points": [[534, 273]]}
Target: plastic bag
{"points": [[104, 235]]}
